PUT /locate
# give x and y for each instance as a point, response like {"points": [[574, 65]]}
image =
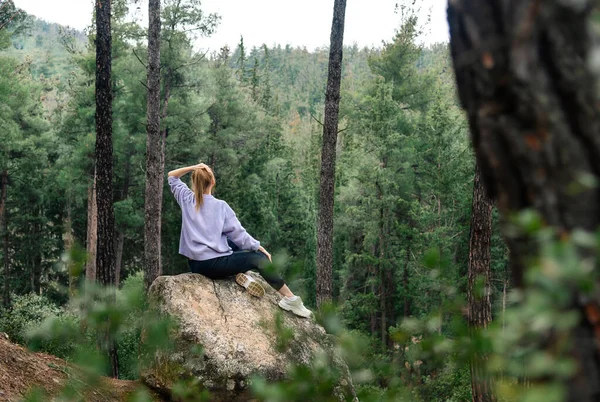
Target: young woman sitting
{"points": [[216, 244]]}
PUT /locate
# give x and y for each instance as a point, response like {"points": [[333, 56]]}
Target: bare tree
{"points": [[328, 156]]}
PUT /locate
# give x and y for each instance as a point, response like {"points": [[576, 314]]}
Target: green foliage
{"points": [[403, 195], [28, 311], [451, 384]]}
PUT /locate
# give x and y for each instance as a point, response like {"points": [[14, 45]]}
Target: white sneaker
{"points": [[295, 306], [253, 287]]}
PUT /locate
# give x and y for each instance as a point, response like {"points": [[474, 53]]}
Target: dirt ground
{"points": [[22, 370]]}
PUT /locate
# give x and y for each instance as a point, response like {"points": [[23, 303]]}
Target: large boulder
{"points": [[239, 336]]}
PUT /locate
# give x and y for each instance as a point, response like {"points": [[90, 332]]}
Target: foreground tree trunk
{"points": [[480, 281], [525, 80], [105, 257], [330, 132], [154, 178]]}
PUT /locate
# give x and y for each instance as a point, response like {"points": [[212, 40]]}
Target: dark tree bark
{"points": [[92, 231], [525, 81], [4, 230], [154, 179], [105, 257], [479, 273], [330, 132]]}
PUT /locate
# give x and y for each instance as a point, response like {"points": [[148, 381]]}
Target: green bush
{"points": [[65, 331], [27, 311], [451, 384]]}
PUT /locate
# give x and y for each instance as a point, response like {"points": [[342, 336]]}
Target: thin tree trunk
{"points": [[120, 244], [373, 275], [163, 144], [154, 177], [92, 231], [383, 285], [504, 289], [405, 282], [105, 257], [121, 231], [37, 260], [327, 184], [4, 229], [479, 288], [68, 245], [525, 79], [6, 293], [4, 190]]}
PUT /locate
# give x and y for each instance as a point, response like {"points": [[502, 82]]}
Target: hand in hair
{"points": [[184, 170]]}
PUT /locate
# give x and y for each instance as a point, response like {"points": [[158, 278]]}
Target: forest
{"points": [[463, 193]]}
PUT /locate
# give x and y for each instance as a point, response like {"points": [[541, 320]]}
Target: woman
{"points": [[210, 230]]}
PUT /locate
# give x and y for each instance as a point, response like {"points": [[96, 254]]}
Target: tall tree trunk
{"points": [[119, 245], [92, 231], [105, 257], [69, 241], [479, 274], [383, 277], [525, 78], [121, 230], [36, 267], [6, 292], [163, 144], [328, 154], [405, 282], [154, 177], [4, 230]]}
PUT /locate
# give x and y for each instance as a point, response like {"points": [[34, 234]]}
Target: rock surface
{"points": [[238, 335]]}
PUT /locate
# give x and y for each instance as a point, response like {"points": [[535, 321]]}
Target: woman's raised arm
{"points": [[184, 170]]}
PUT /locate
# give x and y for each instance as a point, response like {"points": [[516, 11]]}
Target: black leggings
{"points": [[238, 262]]}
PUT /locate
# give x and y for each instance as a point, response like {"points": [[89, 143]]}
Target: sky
{"points": [[298, 23]]}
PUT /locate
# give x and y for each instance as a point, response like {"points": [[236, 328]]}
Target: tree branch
{"points": [[317, 120], [140, 60]]}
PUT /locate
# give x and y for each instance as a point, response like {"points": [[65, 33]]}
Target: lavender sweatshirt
{"points": [[204, 233]]}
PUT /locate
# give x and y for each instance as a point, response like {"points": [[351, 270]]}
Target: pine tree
{"points": [[241, 61], [480, 282], [105, 258], [255, 80], [154, 179], [328, 156]]}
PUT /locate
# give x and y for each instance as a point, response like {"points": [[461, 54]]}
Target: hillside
{"points": [[45, 46], [21, 371]]}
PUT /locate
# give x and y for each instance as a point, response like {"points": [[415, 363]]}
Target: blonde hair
{"points": [[202, 178]]}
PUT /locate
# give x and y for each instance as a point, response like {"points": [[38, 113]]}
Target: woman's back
{"points": [[204, 231]]}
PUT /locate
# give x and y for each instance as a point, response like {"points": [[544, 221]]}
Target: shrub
{"points": [[27, 311]]}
